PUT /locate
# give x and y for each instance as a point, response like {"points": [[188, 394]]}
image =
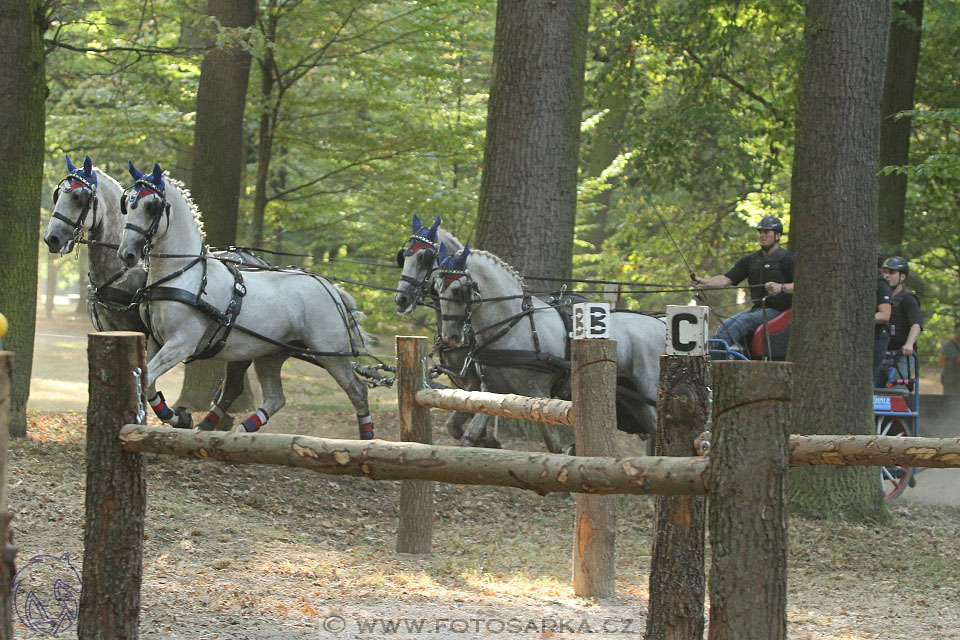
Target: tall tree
{"points": [[218, 159], [22, 125], [833, 217], [528, 192], [903, 55]]}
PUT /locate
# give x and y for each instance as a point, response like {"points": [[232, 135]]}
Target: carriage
{"points": [[896, 408]]}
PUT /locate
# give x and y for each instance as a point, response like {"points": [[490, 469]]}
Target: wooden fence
{"points": [[747, 519]]}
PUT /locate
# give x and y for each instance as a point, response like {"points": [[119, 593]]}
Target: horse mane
{"points": [[501, 262], [188, 200]]}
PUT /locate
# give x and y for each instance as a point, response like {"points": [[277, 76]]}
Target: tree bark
{"points": [[593, 369], [22, 121], [218, 159], [116, 492], [934, 453], [833, 223], [677, 577], [382, 460], [415, 533], [903, 56], [748, 501], [528, 191], [547, 410], [8, 569]]}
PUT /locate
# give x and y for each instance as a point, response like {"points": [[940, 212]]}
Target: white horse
{"points": [[199, 306], [418, 261], [521, 343], [87, 203]]}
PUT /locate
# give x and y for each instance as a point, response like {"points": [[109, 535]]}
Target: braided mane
{"points": [[499, 261], [188, 199]]}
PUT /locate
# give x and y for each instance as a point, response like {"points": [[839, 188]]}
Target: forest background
{"points": [[379, 112], [697, 119]]}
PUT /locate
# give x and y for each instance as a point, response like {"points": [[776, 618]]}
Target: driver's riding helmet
{"points": [[896, 263], [770, 223]]}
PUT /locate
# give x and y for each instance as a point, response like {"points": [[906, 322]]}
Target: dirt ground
{"points": [[259, 553]]}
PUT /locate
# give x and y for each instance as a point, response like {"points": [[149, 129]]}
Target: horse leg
{"points": [[455, 422], [165, 358], [230, 389], [268, 372], [473, 435], [342, 371]]}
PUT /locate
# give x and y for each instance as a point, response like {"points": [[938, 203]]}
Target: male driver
{"points": [[906, 321], [881, 318], [768, 271]]}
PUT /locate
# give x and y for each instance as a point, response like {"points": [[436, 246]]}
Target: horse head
{"points": [[73, 199], [418, 260], [144, 207], [456, 290]]}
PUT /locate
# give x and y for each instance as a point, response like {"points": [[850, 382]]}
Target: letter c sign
{"points": [[686, 330]]}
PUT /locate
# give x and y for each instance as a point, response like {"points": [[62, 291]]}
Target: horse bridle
{"points": [[139, 189], [466, 295], [77, 182], [415, 244]]}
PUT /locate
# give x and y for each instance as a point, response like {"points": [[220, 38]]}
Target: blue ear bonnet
{"points": [[424, 233], [457, 262], [156, 178], [85, 173]]}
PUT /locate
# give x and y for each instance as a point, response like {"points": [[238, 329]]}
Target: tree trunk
{"points": [[528, 192], [22, 121], [903, 54], [268, 86], [116, 492], [217, 168], [7, 551], [748, 501], [415, 531], [542, 473], [593, 364], [832, 231], [677, 577]]}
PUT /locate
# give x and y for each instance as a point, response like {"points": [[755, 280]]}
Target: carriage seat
{"points": [[779, 328]]}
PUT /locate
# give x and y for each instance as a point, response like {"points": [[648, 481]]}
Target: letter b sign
{"points": [[591, 320]]}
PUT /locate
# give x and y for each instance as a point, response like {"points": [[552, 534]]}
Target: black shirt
{"points": [[883, 297], [905, 314], [759, 269]]}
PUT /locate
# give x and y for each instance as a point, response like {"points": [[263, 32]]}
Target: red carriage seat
{"points": [[779, 328]]}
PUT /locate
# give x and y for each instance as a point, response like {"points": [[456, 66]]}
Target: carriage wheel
{"points": [[894, 479]]}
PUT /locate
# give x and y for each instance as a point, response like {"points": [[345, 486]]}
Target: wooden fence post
{"points": [[415, 534], [749, 460], [7, 551], [593, 370], [116, 491], [677, 580]]}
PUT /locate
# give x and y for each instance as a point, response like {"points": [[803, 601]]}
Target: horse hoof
{"points": [[490, 443], [366, 435], [206, 425], [184, 419], [467, 442], [570, 450]]}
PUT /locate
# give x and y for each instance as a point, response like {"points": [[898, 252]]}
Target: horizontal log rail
{"points": [[938, 453], [382, 460], [551, 411]]}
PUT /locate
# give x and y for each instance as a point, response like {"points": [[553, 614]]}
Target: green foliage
{"points": [[381, 110]]}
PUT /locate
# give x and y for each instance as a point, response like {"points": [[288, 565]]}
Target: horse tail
{"points": [[357, 333]]}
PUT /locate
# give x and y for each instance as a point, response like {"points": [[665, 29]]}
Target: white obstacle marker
{"points": [[591, 320], [686, 330]]}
